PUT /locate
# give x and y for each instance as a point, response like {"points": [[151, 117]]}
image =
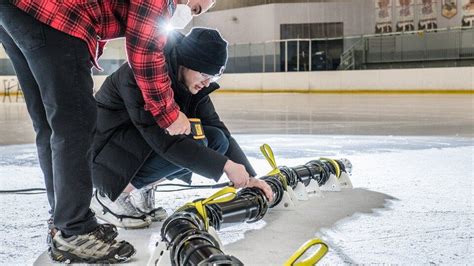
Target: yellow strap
{"points": [[335, 164], [224, 195], [313, 259], [268, 154]]}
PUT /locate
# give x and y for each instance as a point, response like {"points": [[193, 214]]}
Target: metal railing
{"points": [[11, 88], [348, 58], [432, 45], [352, 52], [285, 55]]}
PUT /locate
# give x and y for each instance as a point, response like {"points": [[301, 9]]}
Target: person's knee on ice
{"points": [[216, 139], [141, 188]]}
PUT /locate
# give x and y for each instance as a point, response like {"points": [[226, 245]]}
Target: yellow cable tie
{"points": [[313, 259], [268, 154], [224, 195], [335, 164]]}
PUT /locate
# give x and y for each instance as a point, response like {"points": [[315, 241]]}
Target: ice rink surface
{"points": [[412, 202]]}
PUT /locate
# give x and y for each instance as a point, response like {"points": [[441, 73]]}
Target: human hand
{"points": [[236, 174], [257, 183], [180, 126]]}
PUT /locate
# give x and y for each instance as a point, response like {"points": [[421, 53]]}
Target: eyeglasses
{"points": [[211, 78]]}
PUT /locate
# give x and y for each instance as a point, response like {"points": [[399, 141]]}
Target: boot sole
{"points": [[110, 218], [66, 257]]}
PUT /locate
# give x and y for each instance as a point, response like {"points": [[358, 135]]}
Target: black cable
{"points": [[24, 191], [174, 190], [220, 185], [191, 187], [33, 191]]}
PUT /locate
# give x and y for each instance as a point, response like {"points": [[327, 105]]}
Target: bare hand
{"points": [[267, 190], [180, 126], [237, 174]]}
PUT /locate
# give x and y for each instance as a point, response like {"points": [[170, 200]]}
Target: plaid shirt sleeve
{"points": [[145, 40]]}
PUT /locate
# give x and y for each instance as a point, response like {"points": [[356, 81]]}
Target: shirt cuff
{"points": [[165, 119]]}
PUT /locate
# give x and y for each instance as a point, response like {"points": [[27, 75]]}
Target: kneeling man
{"points": [[132, 153]]}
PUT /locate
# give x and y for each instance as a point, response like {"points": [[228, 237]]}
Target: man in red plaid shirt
{"points": [[53, 46]]}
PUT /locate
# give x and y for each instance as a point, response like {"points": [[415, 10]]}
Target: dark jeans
{"points": [[156, 167], [54, 71]]}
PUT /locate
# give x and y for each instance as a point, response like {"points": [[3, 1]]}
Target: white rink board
{"points": [[445, 79]]}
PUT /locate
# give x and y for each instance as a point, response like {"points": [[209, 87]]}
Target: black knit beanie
{"points": [[203, 50]]}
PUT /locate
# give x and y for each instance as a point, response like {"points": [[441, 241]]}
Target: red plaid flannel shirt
{"points": [[142, 25]]}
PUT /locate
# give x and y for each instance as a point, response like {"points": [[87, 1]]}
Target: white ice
{"points": [[412, 203]]}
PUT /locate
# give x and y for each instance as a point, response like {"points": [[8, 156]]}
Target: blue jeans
{"points": [[157, 168], [54, 71]]}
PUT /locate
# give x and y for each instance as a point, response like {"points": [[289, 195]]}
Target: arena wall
{"points": [[436, 80]]}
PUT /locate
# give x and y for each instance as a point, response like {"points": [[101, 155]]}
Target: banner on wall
{"points": [[468, 13], [449, 8], [406, 16], [383, 16], [427, 13]]}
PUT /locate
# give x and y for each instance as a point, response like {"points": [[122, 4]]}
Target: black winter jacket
{"points": [[127, 134]]}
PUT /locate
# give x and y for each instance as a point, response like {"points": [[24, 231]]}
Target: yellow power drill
{"points": [[196, 128]]}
